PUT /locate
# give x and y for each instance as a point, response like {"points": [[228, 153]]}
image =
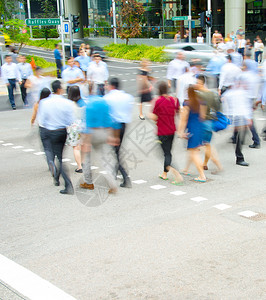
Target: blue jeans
{"points": [[11, 87], [257, 54]]}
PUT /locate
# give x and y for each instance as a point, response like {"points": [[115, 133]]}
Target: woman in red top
{"points": [[163, 114]]}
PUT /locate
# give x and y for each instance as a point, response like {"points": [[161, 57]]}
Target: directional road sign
{"points": [[42, 22], [66, 27], [181, 18]]}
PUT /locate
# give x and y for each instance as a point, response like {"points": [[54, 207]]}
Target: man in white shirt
{"points": [[241, 44], [56, 114], [98, 74], [183, 84], [229, 74], [175, 69], [72, 75], [10, 74], [25, 70], [121, 105]]}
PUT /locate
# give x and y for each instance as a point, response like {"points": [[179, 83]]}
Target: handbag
{"points": [[221, 123]]}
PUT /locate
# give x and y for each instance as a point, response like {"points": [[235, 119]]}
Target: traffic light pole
{"points": [[209, 28], [189, 22], [62, 31], [114, 21], [71, 34]]}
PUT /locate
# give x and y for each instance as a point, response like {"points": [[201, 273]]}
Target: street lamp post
{"points": [[114, 21], [189, 21], [29, 16]]}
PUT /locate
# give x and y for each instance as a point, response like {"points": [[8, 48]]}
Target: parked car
{"points": [[192, 51], [6, 37], [77, 42]]}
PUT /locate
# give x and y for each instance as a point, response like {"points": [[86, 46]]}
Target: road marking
{"points": [[1, 141], [248, 213], [39, 153], [124, 79], [127, 74], [222, 206], [120, 74], [140, 181], [133, 79], [8, 144], [260, 119], [198, 199], [156, 71], [103, 172], [158, 187], [119, 176], [18, 147], [178, 193], [94, 168], [27, 283], [66, 159], [28, 150], [74, 164]]}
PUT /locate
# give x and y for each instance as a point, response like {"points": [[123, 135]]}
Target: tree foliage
{"points": [[14, 28], [7, 7], [48, 11], [130, 16]]}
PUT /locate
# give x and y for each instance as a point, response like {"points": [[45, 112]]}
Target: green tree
{"points": [[7, 7], [16, 29], [48, 11], [131, 14]]}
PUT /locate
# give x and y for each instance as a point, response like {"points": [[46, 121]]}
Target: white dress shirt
{"points": [[176, 68], [25, 70], [121, 105], [241, 43], [183, 83], [229, 73], [97, 73], [56, 112], [200, 39], [10, 71], [71, 74]]}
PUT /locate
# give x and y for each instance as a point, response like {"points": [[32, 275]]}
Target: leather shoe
{"points": [[126, 183], [88, 186], [242, 163], [56, 182], [255, 146], [68, 191]]}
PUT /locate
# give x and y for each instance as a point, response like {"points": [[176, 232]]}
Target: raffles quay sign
{"points": [[42, 22]]}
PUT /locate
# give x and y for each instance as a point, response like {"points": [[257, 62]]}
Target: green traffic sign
{"points": [[42, 22], [181, 18]]}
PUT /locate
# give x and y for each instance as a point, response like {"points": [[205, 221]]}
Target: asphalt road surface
{"points": [[154, 241]]}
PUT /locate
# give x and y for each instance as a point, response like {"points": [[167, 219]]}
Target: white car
{"points": [[192, 51]]}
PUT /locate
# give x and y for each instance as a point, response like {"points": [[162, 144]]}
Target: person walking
{"points": [[176, 68], [177, 38], [25, 70], [144, 85], [241, 45], [200, 38], [99, 130], [258, 50], [44, 133], [58, 58], [164, 112], [84, 60], [190, 128], [72, 75], [97, 74], [121, 109], [55, 115], [10, 74], [75, 129], [211, 104]]}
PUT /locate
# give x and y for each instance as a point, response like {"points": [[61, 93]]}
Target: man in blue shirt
{"points": [[58, 57], [83, 60], [100, 130], [56, 114], [72, 75]]}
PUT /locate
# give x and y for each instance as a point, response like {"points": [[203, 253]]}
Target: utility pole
{"points": [[163, 17], [114, 21], [208, 29], [189, 21], [29, 16], [70, 18], [62, 31]]}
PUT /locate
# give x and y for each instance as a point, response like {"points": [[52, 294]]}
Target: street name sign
{"points": [[42, 22], [181, 18]]}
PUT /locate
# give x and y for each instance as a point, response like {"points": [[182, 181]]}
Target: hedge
{"points": [[50, 44], [49, 68], [136, 52]]}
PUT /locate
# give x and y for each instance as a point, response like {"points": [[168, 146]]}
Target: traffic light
{"points": [[202, 19], [208, 19], [75, 21]]}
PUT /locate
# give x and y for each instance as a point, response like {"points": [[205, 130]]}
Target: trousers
{"points": [[11, 87], [166, 144]]}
